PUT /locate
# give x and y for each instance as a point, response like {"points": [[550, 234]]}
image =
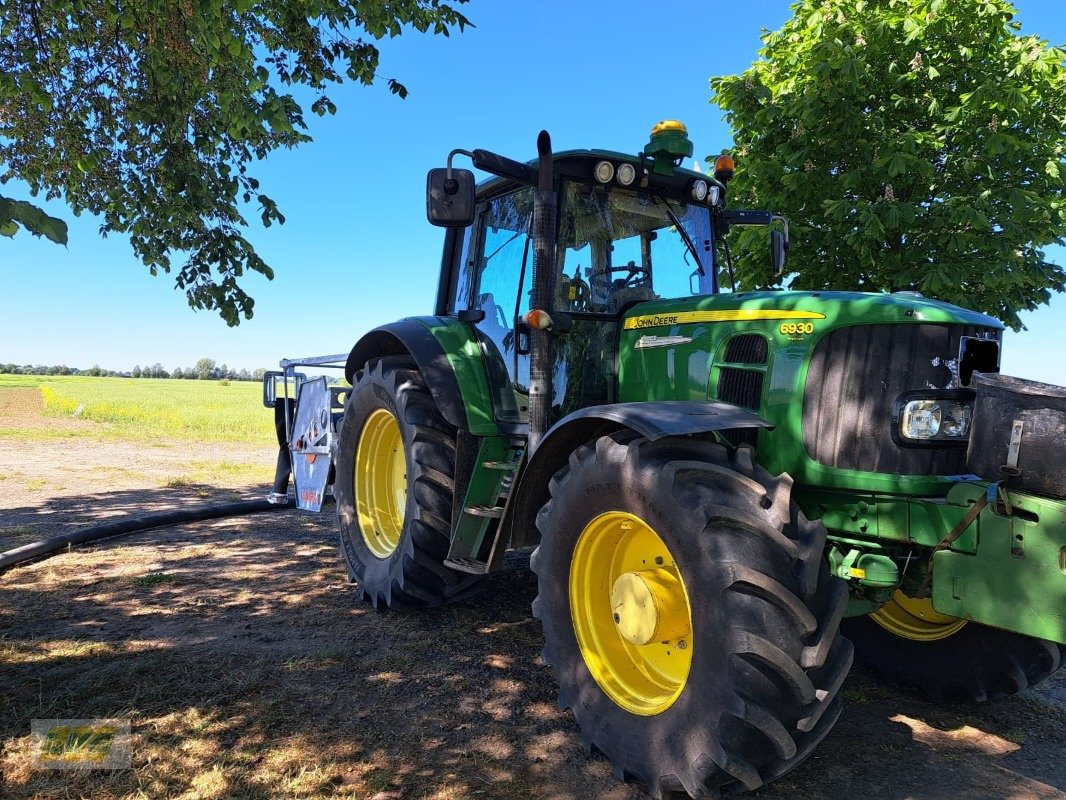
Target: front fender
{"points": [[652, 420]]}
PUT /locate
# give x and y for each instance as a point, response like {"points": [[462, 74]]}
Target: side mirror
{"points": [[450, 197], [778, 249]]}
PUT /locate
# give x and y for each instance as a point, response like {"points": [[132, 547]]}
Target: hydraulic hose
{"points": [[47, 547]]}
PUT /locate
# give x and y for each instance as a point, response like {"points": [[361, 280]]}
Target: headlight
{"points": [[933, 418]]}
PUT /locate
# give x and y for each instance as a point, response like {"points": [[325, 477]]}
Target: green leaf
{"points": [[931, 148], [33, 219]]}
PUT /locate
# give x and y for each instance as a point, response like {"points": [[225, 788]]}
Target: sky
{"points": [[356, 250]]}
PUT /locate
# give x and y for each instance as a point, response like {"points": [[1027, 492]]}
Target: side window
{"points": [[463, 274], [505, 258], [499, 287]]}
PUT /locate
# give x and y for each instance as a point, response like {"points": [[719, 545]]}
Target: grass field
{"points": [[201, 411]]}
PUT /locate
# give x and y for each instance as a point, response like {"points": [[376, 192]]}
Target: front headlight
{"points": [[933, 418]]}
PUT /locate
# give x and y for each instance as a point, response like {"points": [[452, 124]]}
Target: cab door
{"points": [[495, 279]]}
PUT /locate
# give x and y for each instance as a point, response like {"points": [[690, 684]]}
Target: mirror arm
{"points": [[457, 152]]}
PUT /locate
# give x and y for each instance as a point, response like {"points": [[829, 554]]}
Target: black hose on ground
{"points": [[47, 547]]}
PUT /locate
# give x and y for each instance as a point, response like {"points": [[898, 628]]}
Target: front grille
{"points": [[746, 348], [741, 387], [855, 375]]}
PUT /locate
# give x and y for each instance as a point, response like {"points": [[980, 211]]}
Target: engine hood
{"points": [[836, 308]]}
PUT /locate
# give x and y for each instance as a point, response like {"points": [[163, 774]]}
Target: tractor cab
{"points": [[626, 230]]}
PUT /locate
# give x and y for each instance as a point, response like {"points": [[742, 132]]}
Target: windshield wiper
{"points": [[684, 235]]}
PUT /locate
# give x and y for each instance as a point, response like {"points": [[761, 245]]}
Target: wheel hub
{"points": [[631, 613], [915, 619], [380, 480], [649, 606]]}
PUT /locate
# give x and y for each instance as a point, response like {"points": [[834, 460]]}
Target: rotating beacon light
{"points": [[668, 146], [724, 168]]}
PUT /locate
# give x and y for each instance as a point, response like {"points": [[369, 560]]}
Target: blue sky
{"points": [[356, 250]]}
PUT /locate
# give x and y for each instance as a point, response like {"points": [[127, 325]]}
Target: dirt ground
{"points": [[250, 670]]}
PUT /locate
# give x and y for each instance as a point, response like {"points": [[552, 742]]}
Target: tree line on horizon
{"points": [[205, 370]]}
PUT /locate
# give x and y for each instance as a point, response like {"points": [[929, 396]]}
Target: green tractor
{"points": [[720, 486]]}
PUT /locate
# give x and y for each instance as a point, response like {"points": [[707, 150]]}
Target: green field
{"points": [[202, 411]]}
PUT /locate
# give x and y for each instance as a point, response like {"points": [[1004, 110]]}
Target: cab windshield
{"points": [[621, 247]]}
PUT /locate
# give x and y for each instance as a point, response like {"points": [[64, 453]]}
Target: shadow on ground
{"points": [[250, 670]]}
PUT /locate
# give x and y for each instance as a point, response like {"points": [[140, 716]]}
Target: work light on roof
{"points": [[604, 171], [627, 173], [699, 191]]}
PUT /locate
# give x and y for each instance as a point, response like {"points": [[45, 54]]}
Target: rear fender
{"points": [[450, 360], [652, 420]]}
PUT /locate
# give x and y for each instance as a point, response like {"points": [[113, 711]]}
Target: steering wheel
{"points": [[635, 276]]}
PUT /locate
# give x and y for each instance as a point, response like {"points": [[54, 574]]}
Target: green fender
{"points": [[449, 357]]}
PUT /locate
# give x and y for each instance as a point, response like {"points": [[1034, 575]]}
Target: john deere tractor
{"points": [[717, 483]]}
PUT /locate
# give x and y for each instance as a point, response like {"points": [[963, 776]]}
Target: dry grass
{"points": [[249, 669]]}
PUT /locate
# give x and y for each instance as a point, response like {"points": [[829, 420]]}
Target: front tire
{"points": [[910, 645], [394, 487], [688, 614]]}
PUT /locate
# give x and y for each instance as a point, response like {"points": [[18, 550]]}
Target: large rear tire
{"points": [[394, 485], [688, 614], [910, 645]]}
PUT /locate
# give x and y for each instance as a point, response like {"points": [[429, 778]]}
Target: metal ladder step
{"points": [[505, 466], [492, 512], [470, 565]]}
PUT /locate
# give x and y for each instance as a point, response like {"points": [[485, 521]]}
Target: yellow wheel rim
{"points": [[380, 482], [631, 613], [914, 618]]}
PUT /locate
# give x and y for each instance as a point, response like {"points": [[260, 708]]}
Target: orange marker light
{"points": [[724, 168], [537, 319]]}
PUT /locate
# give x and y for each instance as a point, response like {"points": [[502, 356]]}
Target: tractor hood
{"points": [[822, 309], [827, 369]]}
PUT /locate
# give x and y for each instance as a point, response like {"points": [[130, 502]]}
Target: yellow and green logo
{"points": [[78, 743], [81, 743]]}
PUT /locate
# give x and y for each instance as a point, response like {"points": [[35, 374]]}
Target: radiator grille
{"points": [[741, 387], [746, 348], [855, 375]]}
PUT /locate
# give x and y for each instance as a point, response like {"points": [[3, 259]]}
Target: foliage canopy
{"points": [[913, 145], [149, 114]]}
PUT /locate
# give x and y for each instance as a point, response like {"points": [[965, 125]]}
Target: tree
{"points": [[136, 371], [205, 369], [913, 145], [177, 374], [150, 114]]}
